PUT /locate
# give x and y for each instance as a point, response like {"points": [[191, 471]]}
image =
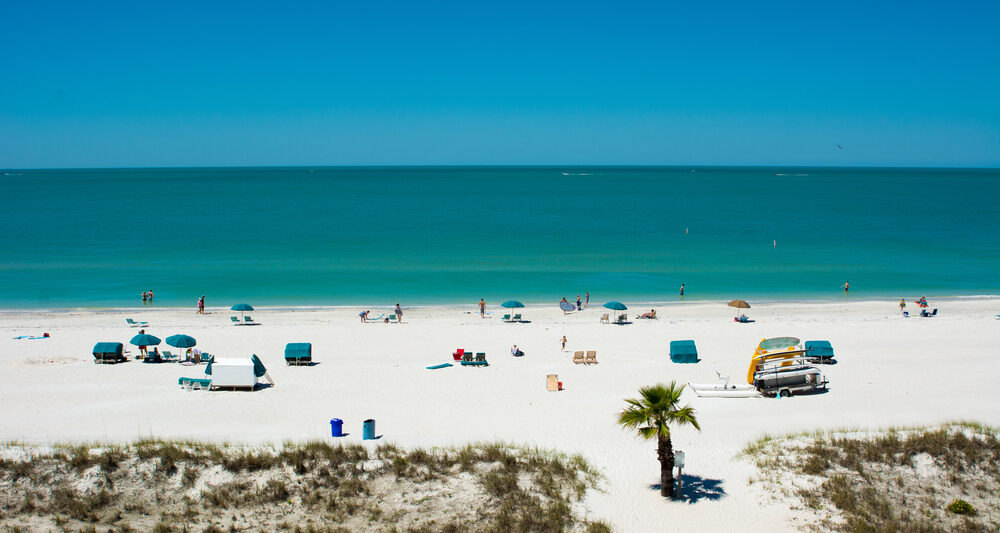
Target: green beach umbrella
{"points": [[242, 308], [181, 341], [510, 304], [144, 339], [617, 306]]}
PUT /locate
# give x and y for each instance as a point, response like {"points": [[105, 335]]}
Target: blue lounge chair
{"points": [[506, 318], [298, 353], [195, 383], [480, 359], [683, 352], [134, 324], [109, 352], [235, 320], [517, 318], [821, 350], [248, 319]]}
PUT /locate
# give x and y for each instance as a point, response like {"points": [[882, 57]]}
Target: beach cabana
{"points": [[821, 350], [231, 372], [298, 353], [683, 352], [109, 352]]}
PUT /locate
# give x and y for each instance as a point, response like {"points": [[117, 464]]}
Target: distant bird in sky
{"points": [[839, 146]]}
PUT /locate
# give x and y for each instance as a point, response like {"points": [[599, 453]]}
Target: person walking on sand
{"points": [[564, 343], [902, 306], [201, 305], [586, 302], [482, 308], [399, 314], [846, 286], [579, 303]]}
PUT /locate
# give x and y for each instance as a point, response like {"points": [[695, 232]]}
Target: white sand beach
{"points": [[891, 371]]}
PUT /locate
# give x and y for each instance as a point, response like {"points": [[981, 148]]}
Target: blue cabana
{"points": [[108, 352], [822, 350], [683, 352], [298, 353]]}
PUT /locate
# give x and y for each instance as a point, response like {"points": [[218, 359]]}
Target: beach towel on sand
{"points": [[435, 367]]}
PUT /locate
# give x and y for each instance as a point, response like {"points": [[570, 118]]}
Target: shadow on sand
{"points": [[697, 488]]}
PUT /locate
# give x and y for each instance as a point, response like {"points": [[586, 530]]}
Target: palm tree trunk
{"points": [[665, 453]]}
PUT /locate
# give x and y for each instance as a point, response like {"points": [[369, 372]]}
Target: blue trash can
{"points": [[369, 429], [336, 427]]}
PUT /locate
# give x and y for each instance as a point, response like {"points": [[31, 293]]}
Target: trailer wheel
{"points": [[785, 393]]}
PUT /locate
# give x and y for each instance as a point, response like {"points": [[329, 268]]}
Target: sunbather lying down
{"points": [[650, 314]]}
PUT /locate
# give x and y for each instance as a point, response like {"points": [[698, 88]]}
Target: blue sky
{"points": [[330, 83]]}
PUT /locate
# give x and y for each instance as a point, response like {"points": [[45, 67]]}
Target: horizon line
{"points": [[511, 165]]}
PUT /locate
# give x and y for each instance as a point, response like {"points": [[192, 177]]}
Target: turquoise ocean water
{"points": [[426, 235]]}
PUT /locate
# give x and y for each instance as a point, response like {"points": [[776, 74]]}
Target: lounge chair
{"points": [[235, 320], [109, 352], [248, 319], [153, 357], [578, 357], [206, 357], [194, 383], [134, 324], [622, 319], [392, 318], [591, 358], [604, 318], [683, 352], [298, 353], [517, 318], [467, 357], [506, 318], [169, 357], [927, 314]]}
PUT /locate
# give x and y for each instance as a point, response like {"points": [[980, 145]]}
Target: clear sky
{"points": [[897, 83]]}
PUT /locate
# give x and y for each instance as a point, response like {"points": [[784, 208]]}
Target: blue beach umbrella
{"points": [[617, 306], [510, 304], [242, 308], [181, 341], [144, 339]]}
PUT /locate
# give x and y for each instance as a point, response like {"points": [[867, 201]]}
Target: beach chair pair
{"points": [[478, 360], [247, 320], [589, 359], [926, 314], [133, 324], [515, 318]]}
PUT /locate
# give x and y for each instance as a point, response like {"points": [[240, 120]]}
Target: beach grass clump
{"points": [[898, 479], [160, 485]]}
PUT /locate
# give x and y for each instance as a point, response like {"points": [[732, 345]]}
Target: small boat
{"points": [[723, 389]]}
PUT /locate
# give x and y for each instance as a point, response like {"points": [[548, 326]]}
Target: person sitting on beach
{"points": [[650, 314], [516, 352], [155, 356]]}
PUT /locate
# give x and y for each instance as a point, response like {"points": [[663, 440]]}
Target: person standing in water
{"points": [[579, 304], [682, 289], [846, 286], [586, 302]]}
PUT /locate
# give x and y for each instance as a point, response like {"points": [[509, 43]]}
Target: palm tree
{"points": [[651, 414]]}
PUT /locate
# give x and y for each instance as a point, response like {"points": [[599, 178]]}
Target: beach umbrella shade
{"points": [[738, 304], [181, 341], [242, 308], [617, 306], [144, 339], [510, 304]]}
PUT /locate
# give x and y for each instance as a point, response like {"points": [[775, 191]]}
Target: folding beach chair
{"points": [[578, 357], [591, 358]]}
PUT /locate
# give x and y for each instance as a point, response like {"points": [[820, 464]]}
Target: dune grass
{"points": [[921, 479], [159, 485]]}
